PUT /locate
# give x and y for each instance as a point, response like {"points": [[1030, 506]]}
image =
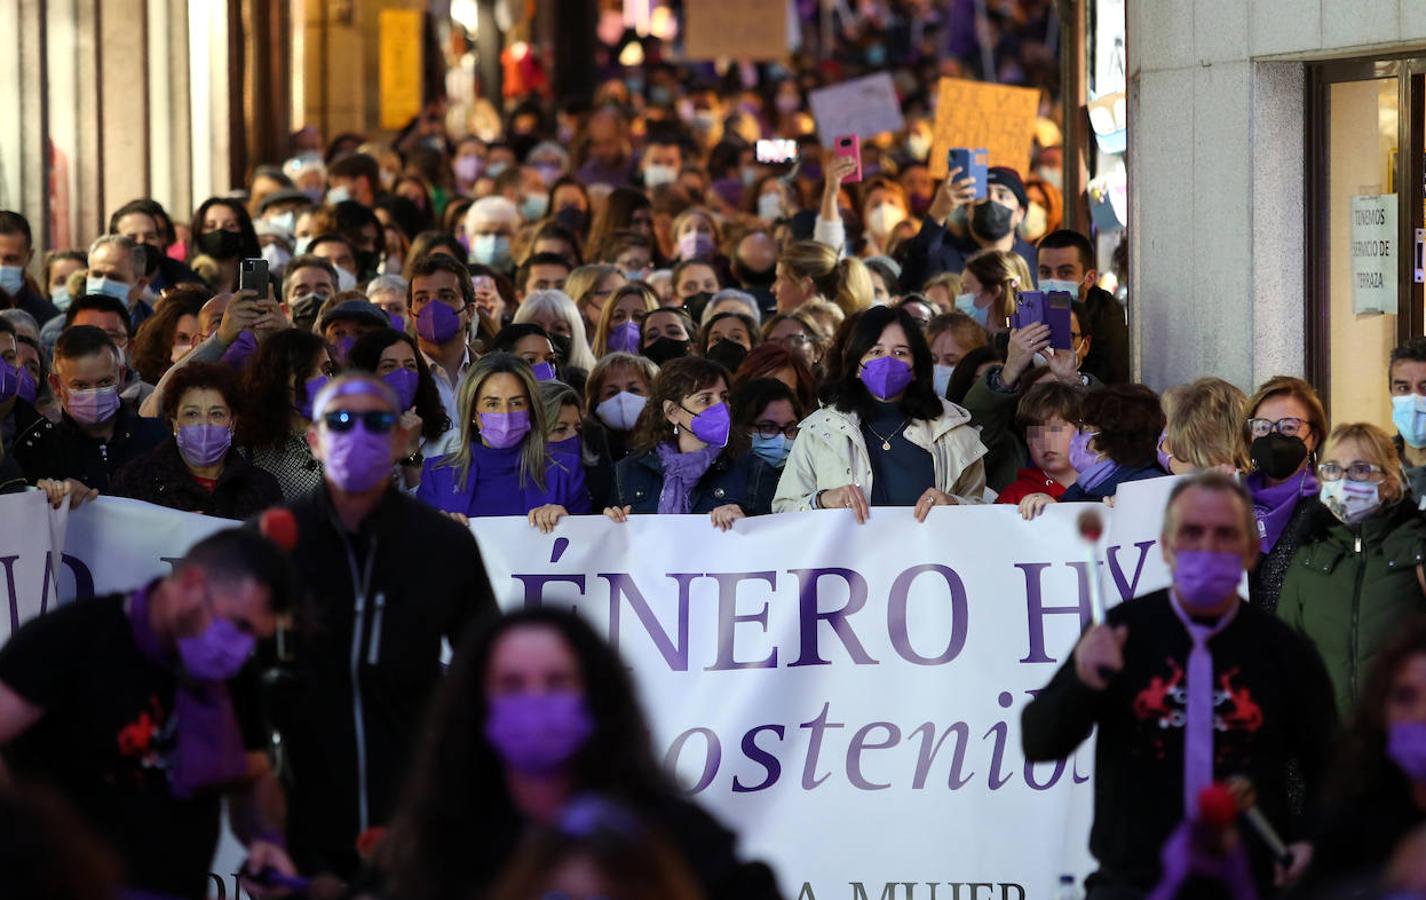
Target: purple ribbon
{"points": [[1273, 505], [208, 748], [1190, 851]]}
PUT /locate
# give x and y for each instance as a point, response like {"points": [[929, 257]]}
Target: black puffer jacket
{"points": [[163, 478]]}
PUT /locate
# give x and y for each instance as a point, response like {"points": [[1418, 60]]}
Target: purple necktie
{"points": [[1198, 712]]}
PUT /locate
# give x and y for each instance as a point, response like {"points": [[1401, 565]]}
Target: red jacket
{"points": [[1030, 481]]}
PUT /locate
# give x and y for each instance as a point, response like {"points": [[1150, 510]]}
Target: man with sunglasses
{"points": [[386, 579]]}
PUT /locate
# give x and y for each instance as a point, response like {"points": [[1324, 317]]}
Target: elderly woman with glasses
{"points": [[1357, 577]]}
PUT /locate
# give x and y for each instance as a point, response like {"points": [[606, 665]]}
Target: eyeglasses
{"points": [[768, 429], [376, 421], [793, 340], [1288, 427], [120, 338], [1357, 471]]}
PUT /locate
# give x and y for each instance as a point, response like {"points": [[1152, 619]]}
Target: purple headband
{"points": [[351, 386]]}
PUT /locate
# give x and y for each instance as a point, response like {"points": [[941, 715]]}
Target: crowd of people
{"points": [[385, 341]]}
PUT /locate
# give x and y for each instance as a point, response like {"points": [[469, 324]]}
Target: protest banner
{"points": [[846, 697], [997, 117], [733, 29], [865, 107]]}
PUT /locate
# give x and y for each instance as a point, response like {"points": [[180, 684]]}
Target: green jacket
{"points": [[1348, 590]]}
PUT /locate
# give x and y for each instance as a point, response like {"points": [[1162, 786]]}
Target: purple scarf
{"points": [[681, 472], [208, 749], [1273, 506]]}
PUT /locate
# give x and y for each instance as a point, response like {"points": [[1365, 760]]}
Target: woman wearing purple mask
{"points": [[883, 437], [278, 388], [198, 469], [536, 713], [620, 328], [1374, 804], [688, 458], [394, 357], [1117, 442], [501, 463]]}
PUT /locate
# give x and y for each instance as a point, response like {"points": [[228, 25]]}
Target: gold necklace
{"points": [[886, 439]]}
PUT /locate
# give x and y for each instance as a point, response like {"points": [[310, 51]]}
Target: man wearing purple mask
{"points": [[141, 708], [18, 390], [344, 323], [388, 578], [98, 432], [1188, 686], [442, 301]]}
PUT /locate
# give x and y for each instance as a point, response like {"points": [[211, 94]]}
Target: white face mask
{"points": [[621, 411], [941, 378], [1350, 501], [1051, 285], [885, 217], [277, 258], [655, 175], [346, 281], [769, 207]]}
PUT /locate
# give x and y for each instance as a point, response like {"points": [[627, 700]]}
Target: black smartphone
{"points": [[252, 276]]}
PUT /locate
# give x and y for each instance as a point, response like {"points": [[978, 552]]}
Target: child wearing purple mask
{"points": [[500, 464]]}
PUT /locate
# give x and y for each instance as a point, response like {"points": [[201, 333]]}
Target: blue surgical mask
{"points": [[966, 304], [772, 450], [941, 378], [534, 207], [490, 249], [116, 289], [11, 279], [1408, 414], [60, 298], [1050, 285]]}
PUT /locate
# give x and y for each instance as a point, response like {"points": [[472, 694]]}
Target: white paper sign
{"points": [[865, 107], [1374, 254]]}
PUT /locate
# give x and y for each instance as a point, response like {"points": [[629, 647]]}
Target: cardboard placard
{"points": [[995, 116], [399, 52], [733, 29], [865, 107]]}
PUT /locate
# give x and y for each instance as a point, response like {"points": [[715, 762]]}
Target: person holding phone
{"points": [[960, 224], [883, 437]]}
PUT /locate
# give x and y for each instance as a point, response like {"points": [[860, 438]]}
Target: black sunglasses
{"points": [[376, 421]]}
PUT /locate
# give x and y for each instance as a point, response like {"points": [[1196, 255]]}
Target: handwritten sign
{"points": [[864, 106], [733, 29], [400, 66], [1374, 254], [994, 116]]}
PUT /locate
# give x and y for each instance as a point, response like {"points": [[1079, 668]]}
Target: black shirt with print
{"points": [[1272, 703], [105, 737]]}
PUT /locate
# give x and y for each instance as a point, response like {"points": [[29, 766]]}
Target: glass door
{"points": [[1364, 211]]}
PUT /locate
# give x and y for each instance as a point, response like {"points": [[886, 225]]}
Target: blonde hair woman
{"points": [[621, 321], [1357, 576], [591, 288], [806, 271], [1203, 430], [501, 464], [696, 234], [990, 286], [855, 290]]}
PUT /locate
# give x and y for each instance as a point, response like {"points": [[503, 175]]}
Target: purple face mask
{"points": [[356, 460], [404, 382], [342, 349], [311, 386], [9, 381], [538, 734], [27, 390], [92, 406], [437, 322], [544, 371], [504, 430], [1202, 578], [1163, 456], [240, 350], [1406, 745], [204, 445], [624, 337], [217, 652], [713, 425], [886, 377], [695, 245], [1080, 456], [398, 322]]}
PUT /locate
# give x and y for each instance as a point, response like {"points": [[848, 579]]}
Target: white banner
{"points": [[847, 697]]}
